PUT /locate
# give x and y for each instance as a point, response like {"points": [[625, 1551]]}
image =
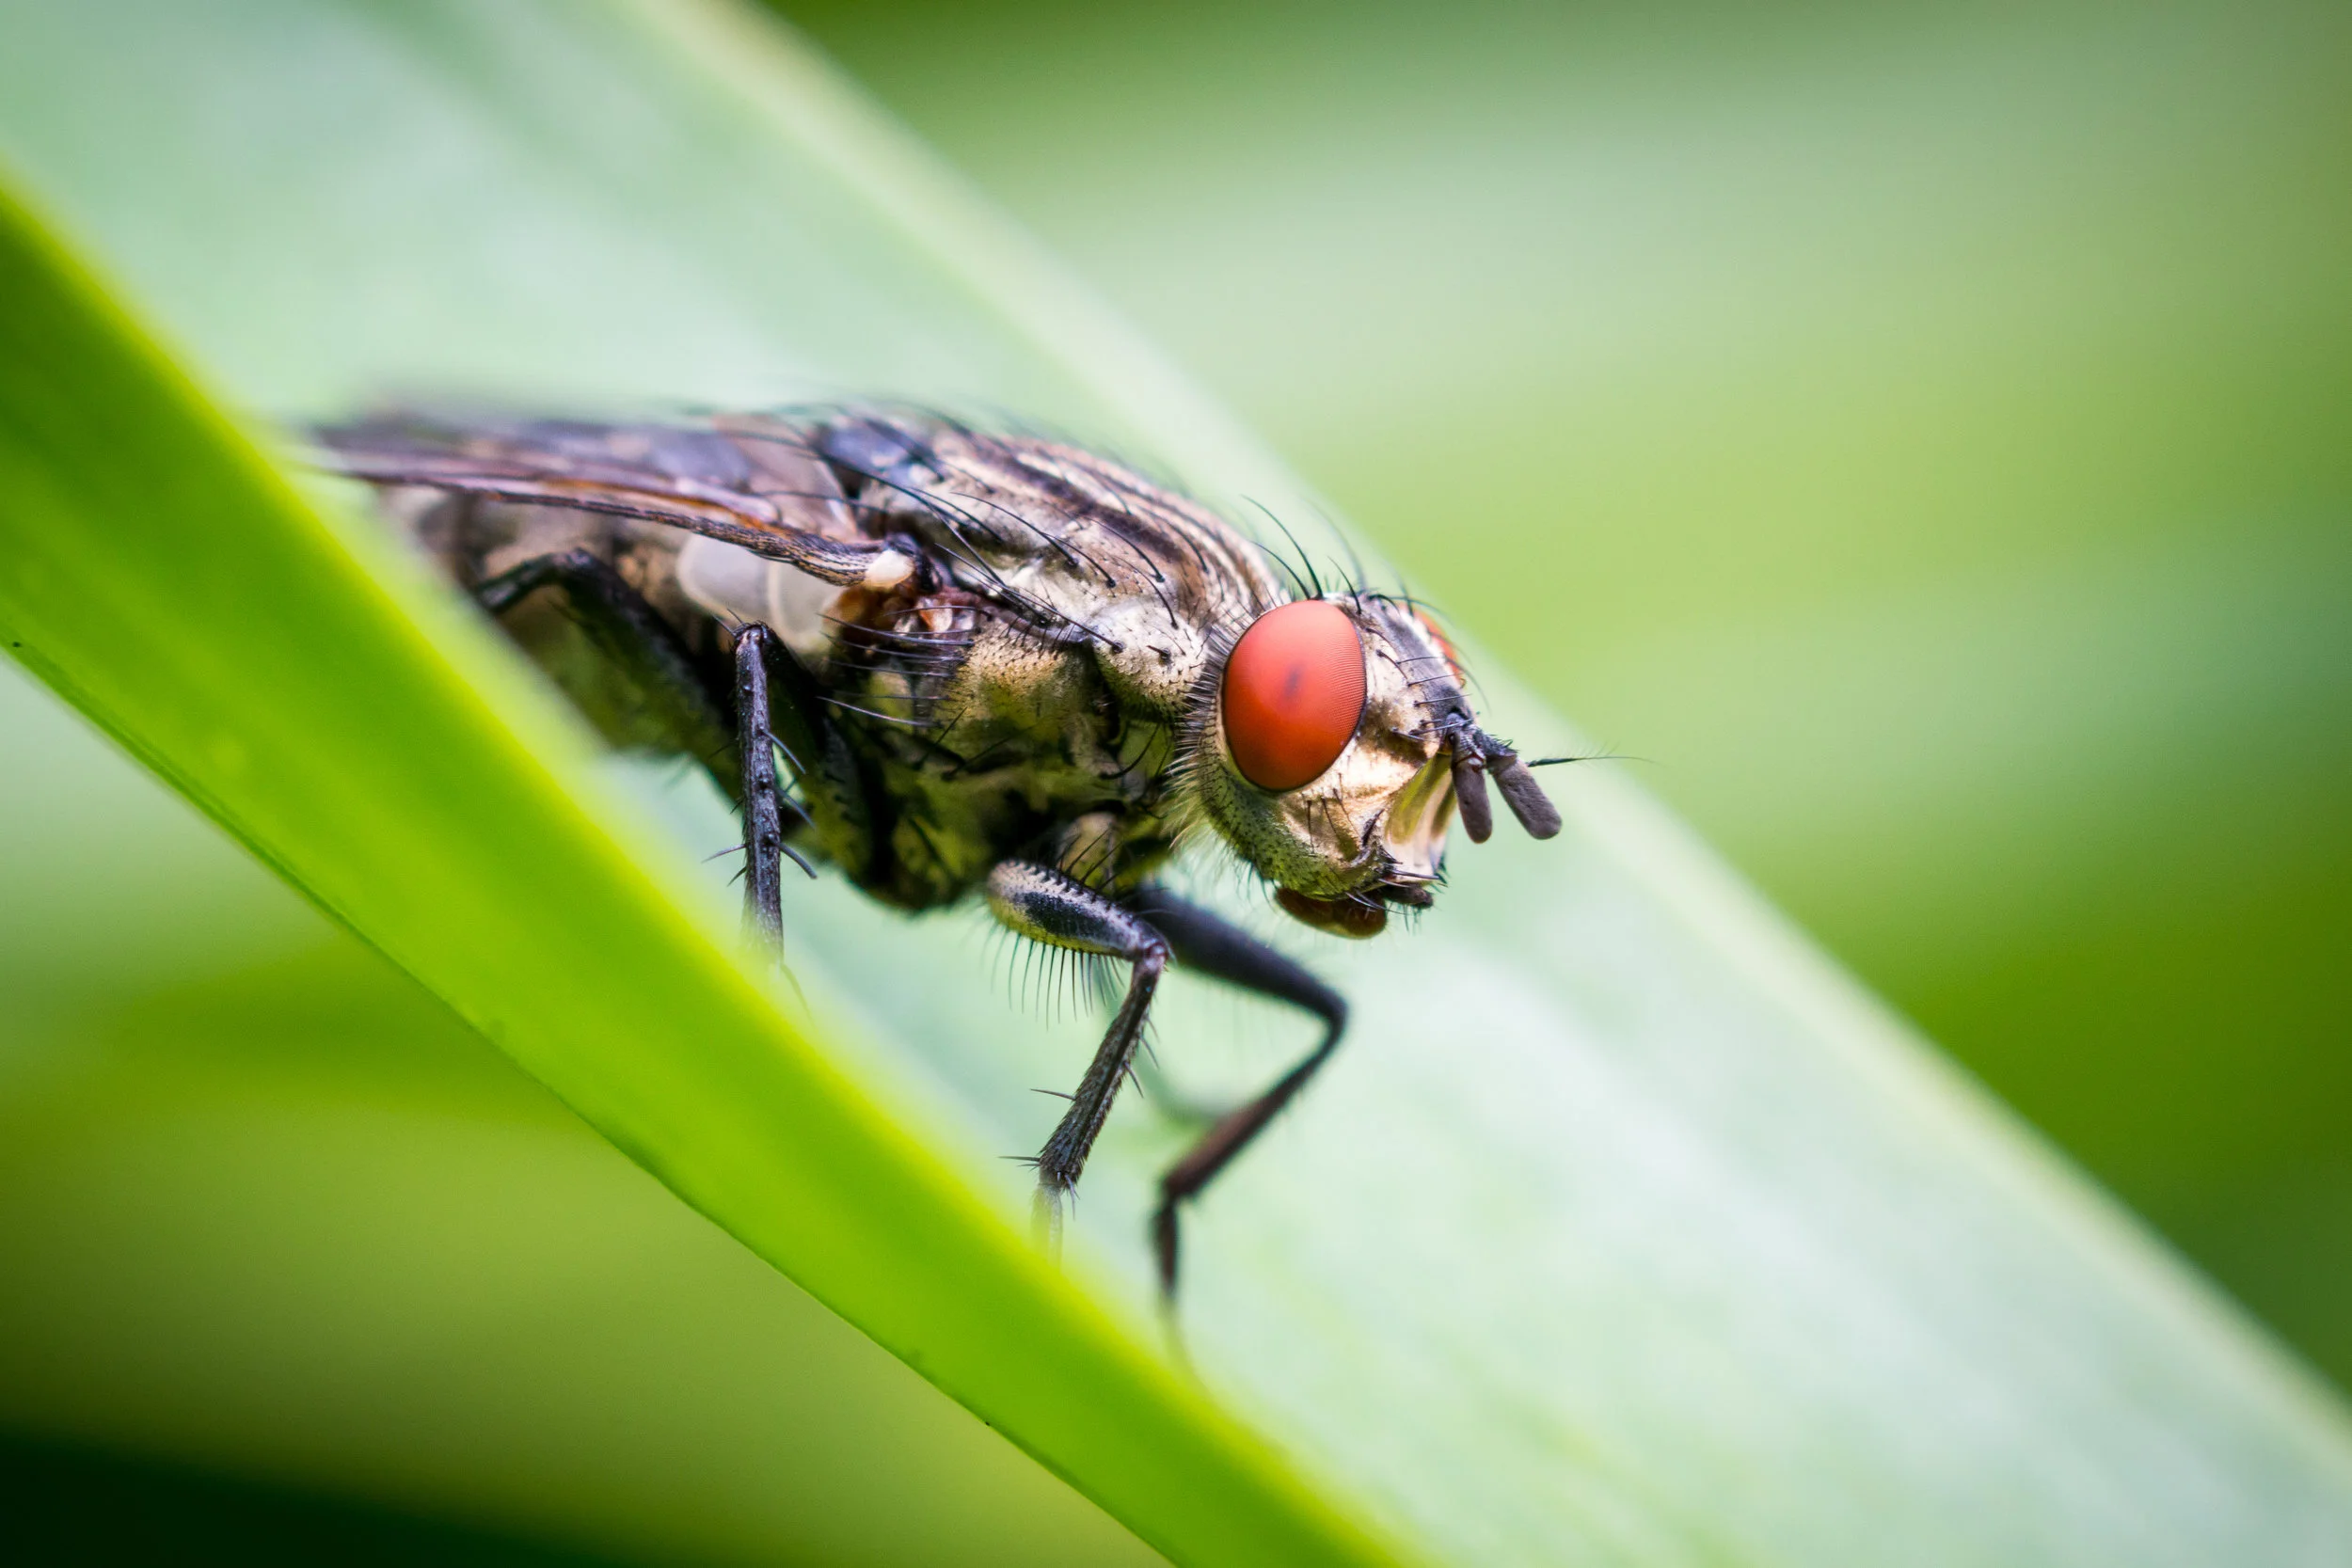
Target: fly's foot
{"points": [[1058, 1167], [1163, 1243], [1045, 1219]]}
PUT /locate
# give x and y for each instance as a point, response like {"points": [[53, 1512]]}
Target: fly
{"points": [[995, 666]]}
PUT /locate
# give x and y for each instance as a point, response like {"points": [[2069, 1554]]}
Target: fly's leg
{"points": [[1051, 908], [834, 791], [631, 632], [1216, 947], [763, 799], [779, 703]]}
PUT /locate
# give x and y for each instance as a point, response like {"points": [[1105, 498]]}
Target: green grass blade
{"points": [[1623, 1231], [326, 707]]}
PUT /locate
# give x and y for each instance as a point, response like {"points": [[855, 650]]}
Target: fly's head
{"points": [[1332, 745]]}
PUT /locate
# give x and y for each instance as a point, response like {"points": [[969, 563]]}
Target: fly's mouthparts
{"points": [[1355, 918]]}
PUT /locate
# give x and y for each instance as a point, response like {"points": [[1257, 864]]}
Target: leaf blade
{"points": [[164, 578], [1625, 1364]]}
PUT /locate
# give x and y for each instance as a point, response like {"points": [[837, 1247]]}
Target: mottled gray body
{"points": [[995, 664], [1020, 690]]}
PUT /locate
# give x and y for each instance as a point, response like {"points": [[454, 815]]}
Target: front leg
{"points": [[1051, 908]]}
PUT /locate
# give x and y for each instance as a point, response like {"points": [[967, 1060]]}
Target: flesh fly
{"points": [[994, 667]]}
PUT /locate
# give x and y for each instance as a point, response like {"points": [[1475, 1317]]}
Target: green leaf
{"points": [[1623, 1230], [333, 711]]}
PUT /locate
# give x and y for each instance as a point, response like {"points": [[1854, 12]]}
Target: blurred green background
{"points": [[1921, 436], [1922, 433]]}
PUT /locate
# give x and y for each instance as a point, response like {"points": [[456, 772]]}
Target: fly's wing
{"points": [[1073, 546], [750, 482]]}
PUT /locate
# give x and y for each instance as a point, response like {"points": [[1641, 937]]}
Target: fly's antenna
{"points": [[1594, 756]]}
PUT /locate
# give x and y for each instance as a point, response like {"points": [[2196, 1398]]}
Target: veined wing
{"points": [[770, 495]]}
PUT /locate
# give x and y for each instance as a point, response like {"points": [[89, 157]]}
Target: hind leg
{"points": [[1214, 946]]}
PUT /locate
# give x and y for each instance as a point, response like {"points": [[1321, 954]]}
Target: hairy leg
{"points": [[1047, 906], [631, 632], [833, 790], [763, 799]]}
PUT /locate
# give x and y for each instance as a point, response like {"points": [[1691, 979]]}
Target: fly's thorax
{"points": [[1010, 678], [1067, 542], [1377, 812], [1151, 658]]}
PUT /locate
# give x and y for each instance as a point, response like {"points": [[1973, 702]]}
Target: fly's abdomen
{"points": [[513, 556]]}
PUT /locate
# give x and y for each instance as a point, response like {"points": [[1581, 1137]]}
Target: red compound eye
{"points": [[1294, 692]]}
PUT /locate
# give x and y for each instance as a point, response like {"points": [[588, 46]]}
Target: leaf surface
{"points": [[1624, 1230]]}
